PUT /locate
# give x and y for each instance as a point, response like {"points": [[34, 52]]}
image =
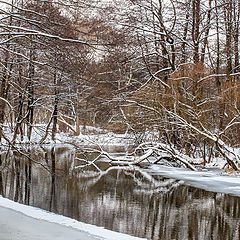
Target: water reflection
{"points": [[53, 199], [27, 180], [120, 199], [1, 180]]}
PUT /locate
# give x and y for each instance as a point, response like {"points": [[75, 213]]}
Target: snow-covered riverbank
{"points": [[97, 137], [23, 222], [90, 135]]}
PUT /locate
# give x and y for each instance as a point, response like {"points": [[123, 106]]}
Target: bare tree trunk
{"points": [[236, 36], [206, 33], [217, 68], [30, 94], [18, 125], [221, 105], [185, 33], [165, 56], [55, 108], [5, 88], [4, 85], [156, 37], [196, 29], [228, 25], [3, 95]]}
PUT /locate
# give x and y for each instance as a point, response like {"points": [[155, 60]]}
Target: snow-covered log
{"points": [[151, 153]]}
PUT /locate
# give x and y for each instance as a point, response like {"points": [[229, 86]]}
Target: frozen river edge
{"points": [[21, 222], [209, 180]]}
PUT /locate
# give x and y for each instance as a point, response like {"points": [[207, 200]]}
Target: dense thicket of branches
{"points": [[169, 68]]}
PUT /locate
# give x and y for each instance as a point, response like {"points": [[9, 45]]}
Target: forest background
{"points": [[166, 72]]}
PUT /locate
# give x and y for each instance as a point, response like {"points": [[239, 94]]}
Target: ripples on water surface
{"points": [[127, 200]]}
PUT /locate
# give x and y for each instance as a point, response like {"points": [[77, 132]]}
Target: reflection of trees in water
{"points": [[155, 207], [17, 174], [17, 178], [125, 199], [18, 185], [52, 204], [1, 180], [30, 183], [28, 179]]}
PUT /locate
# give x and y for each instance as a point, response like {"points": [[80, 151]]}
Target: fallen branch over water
{"points": [[147, 152]]}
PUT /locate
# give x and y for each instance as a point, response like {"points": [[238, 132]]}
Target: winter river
{"points": [[159, 203]]}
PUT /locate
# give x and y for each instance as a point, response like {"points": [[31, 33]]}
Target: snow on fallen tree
{"points": [[151, 153]]}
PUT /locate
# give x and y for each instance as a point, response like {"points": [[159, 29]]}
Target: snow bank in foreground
{"points": [[59, 219], [210, 180]]}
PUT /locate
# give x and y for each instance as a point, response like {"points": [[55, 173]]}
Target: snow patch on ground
{"points": [[59, 219], [216, 162]]}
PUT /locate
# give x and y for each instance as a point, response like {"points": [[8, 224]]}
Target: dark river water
{"points": [[121, 199]]}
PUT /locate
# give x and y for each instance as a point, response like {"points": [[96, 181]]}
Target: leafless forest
{"points": [[162, 68]]}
